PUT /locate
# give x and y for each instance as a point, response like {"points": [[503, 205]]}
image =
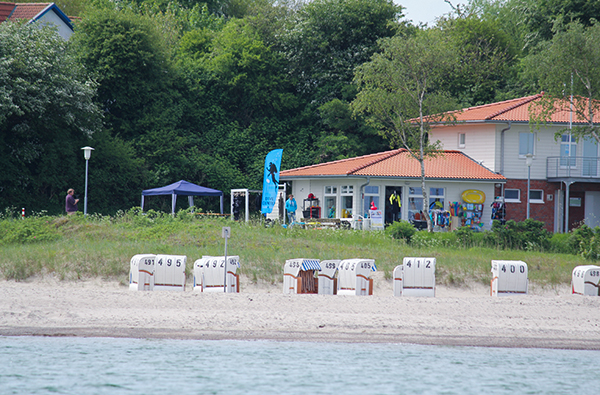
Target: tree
{"points": [[401, 86], [570, 64], [130, 59], [487, 58], [329, 38], [47, 114]]}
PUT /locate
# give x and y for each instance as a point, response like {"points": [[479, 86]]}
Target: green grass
{"points": [[73, 248]]}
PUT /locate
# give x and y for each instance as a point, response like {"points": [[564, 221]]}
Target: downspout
{"points": [[362, 196], [502, 147]]}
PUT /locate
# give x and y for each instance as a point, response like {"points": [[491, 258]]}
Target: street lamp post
{"points": [[87, 153], [528, 161]]}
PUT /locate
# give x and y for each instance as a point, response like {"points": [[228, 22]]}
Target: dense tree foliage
{"points": [[46, 113], [202, 91]]}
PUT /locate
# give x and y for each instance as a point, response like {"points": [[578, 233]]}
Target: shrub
{"points": [[401, 230], [527, 235]]}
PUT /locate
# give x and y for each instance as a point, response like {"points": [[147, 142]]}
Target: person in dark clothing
{"points": [[71, 202]]}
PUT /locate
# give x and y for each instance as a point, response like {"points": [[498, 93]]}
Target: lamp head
{"points": [[87, 152], [529, 159]]}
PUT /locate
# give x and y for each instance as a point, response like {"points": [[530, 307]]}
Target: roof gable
{"points": [[31, 12], [399, 164], [517, 110]]}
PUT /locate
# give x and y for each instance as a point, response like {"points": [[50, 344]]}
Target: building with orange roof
{"points": [[42, 13], [563, 174], [347, 188]]}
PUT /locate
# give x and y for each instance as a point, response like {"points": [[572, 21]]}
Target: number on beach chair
{"points": [[419, 277], [586, 280], [354, 277], [169, 274], [509, 278], [328, 277], [209, 272], [141, 272]]}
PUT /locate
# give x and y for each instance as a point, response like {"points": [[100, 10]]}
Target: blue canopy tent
{"points": [[182, 188]]}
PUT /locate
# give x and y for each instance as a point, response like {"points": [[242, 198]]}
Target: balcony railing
{"points": [[580, 167]]}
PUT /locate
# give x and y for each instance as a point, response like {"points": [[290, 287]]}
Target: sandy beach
{"points": [[467, 316]]}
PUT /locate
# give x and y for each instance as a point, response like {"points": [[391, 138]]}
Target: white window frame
{"points": [[568, 161], [532, 200], [462, 140], [347, 190], [373, 194], [530, 149], [330, 191], [509, 200]]}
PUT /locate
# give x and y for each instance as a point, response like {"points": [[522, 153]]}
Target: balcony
{"points": [[573, 168]]}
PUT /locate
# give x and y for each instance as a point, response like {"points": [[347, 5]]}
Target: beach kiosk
{"points": [[509, 278], [328, 277], [299, 276], [169, 272], [586, 280], [415, 277], [141, 272], [209, 274], [354, 277]]}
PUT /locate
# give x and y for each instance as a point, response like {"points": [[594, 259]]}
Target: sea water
{"points": [[45, 365]]}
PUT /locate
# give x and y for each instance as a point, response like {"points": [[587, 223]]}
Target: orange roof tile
{"points": [[516, 110], [28, 10], [399, 164], [5, 10]]}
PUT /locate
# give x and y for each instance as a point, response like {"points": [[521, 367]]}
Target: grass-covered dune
{"points": [[78, 247]]}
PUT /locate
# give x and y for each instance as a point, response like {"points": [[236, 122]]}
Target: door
{"points": [[590, 157], [392, 212], [592, 208]]}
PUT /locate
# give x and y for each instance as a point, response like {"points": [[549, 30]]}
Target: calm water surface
{"points": [[37, 365]]}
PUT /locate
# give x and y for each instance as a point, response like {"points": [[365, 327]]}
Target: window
{"points": [[526, 144], [461, 140], [415, 203], [371, 195], [347, 200], [536, 196], [436, 198], [330, 202], [568, 150], [512, 195]]}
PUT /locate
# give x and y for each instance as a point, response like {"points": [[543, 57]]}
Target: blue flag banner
{"points": [[271, 180]]}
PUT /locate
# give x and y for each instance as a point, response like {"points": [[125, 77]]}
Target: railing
{"points": [[581, 167]]}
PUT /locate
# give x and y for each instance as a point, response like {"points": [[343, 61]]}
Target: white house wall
{"points": [[515, 167], [480, 142], [453, 191], [51, 18]]}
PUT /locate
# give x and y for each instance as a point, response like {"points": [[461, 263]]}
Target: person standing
{"points": [[291, 207], [396, 204], [71, 202]]}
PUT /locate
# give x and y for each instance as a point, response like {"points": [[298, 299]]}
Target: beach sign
{"points": [[509, 278], [473, 196]]}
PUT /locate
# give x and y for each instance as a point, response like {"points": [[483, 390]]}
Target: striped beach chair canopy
{"points": [[311, 264]]}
